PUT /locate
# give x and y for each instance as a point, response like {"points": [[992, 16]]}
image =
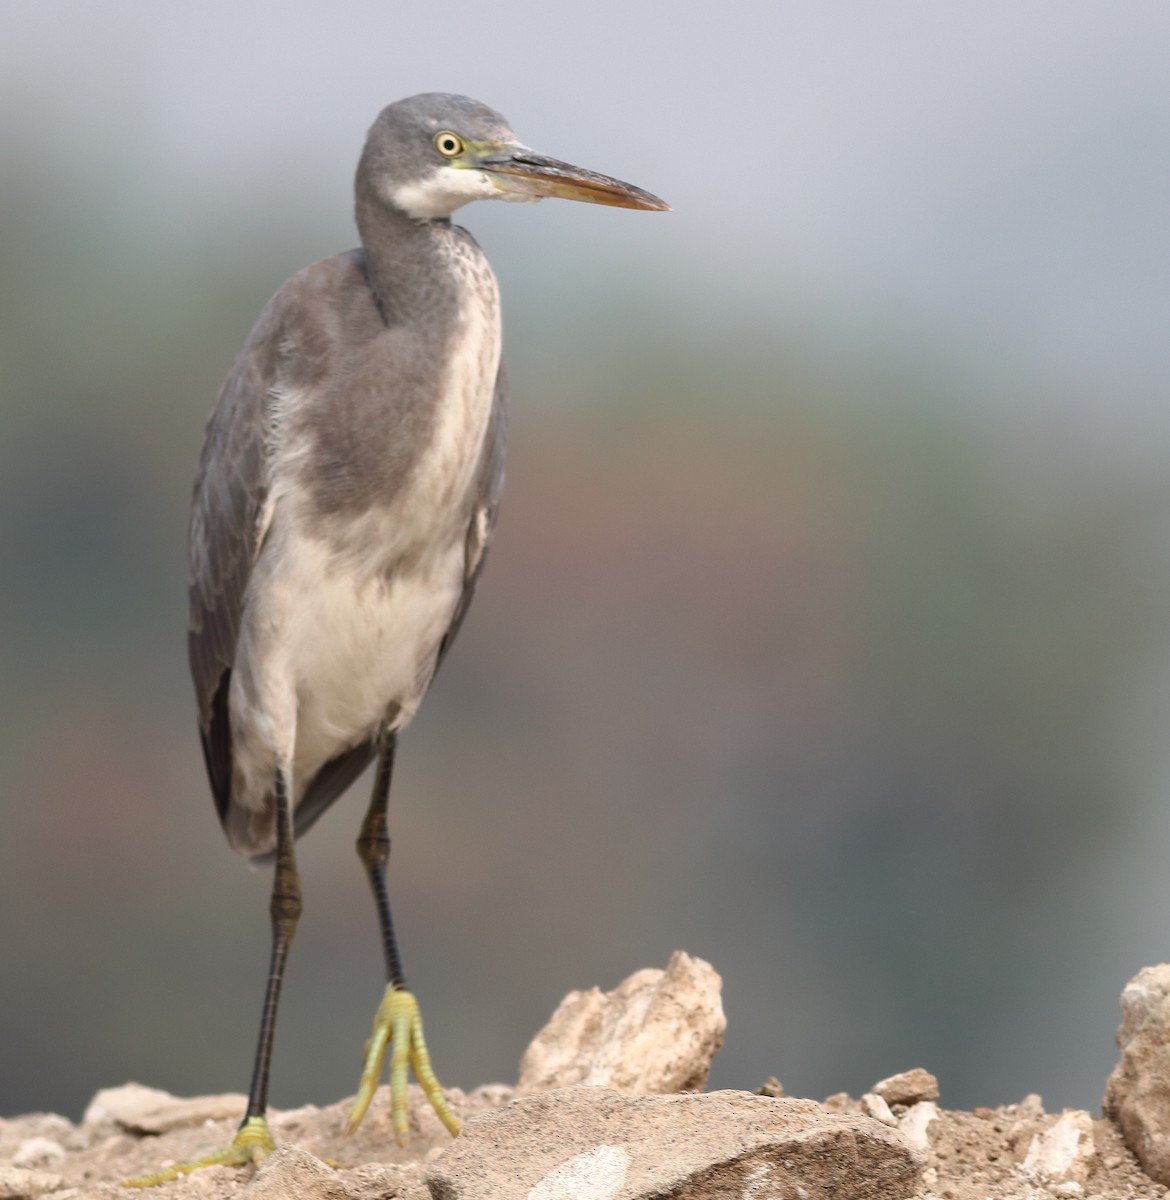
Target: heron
{"points": [[343, 506]]}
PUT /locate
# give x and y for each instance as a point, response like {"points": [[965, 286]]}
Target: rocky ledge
{"points": [[608, 1107]]}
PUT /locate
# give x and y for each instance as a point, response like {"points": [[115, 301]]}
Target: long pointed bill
{"points": [[527, 173]]}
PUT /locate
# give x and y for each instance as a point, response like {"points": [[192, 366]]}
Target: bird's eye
{"points": [[448, 144]]}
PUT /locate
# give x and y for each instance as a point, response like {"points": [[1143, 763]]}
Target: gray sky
{"points": [[994, 173]]}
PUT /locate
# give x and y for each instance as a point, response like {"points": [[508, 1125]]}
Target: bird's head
{"points": [[429, 155]]}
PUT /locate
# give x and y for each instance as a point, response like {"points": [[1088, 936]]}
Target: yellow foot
{"points": [[398, 1024], [252, 1144]]}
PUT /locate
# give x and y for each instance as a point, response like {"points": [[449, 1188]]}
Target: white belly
{"points": [[362, 651], [343, 623], [332, 654]]}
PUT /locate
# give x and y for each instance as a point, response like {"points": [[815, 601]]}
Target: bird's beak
{"points": [[524, 173]]}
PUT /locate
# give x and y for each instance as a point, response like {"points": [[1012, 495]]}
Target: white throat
{"points": [[445, 190], [442, 192]]}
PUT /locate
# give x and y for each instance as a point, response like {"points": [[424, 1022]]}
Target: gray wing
{"points": [[231, 487], [487, 507]]}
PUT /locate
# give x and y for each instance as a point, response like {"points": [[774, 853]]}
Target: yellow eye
{"points": [[448, 144]]}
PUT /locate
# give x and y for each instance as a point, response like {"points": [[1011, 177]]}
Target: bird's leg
{"points": [[253, 1141], [398, 1022], [373, 847], [285, 909]]}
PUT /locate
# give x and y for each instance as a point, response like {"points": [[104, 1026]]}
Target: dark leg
{"points": [[373, 847], [253, 1141], [398, 1023], [285, 909]]}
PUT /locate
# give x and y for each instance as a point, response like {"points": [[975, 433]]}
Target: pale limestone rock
{"points": [[771, 1087], [914, 1123], [379, 1181], [19, 1183], [292, 1174], [24, 1140], [1137, 1096], [139, 1109], [587, 1143], [111, 1106], [908, 1087], [1063, 1153], [655, 1032], [598, 1174], [875, 1106], [15, 1131], [38, 1152]]}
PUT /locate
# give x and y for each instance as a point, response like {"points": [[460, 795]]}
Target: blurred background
{"points": [[825, 632]]}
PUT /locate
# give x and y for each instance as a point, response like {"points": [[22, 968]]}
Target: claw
{"points": [[252, 1144], [398, 1026]]}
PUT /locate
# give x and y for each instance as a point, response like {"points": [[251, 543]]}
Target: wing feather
{"points": [[231, 486], [487, 506]]}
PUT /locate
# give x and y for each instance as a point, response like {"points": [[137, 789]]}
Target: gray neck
{"points": [[408, 262]]}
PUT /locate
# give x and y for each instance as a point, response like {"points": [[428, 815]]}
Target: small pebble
{"points": [[914, 1123], [908, 1087], [38, 1152], [875, 1106], [771, 1087], [20, 1183]]}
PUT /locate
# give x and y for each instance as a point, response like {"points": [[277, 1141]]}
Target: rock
{"points": [[908, 1087], [914, 1123], [1064, 1153], [376, 1181], [874, 1106], [587, 1143], [139, 1109], [36, 1128], [656, 1032], [19, 1183], [771, 1087], [292, 1174], [1136, 1096], [38, 1152]]}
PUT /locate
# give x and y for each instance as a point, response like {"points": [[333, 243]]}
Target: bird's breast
{"points": [[381, 461], [441, 482], [352, 595]]}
